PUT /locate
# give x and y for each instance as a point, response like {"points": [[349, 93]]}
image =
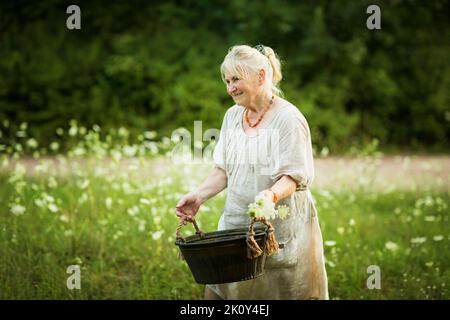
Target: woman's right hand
{"points": [[187, 207]]}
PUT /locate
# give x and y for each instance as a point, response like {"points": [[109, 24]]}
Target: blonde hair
{"points": [[243, 60]]}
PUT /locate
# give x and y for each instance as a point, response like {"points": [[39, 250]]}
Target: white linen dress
{"points": [[253, 164]]}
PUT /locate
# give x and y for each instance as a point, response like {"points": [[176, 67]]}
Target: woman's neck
{"points": [[260, 103]]}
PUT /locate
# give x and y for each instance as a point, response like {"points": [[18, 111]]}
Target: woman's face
{"points": [[243, 91]]}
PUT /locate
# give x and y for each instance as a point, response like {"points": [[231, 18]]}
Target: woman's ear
{"points": [[261, 77]]}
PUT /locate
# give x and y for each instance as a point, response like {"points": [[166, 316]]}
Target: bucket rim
{"points": [[235, 235]]}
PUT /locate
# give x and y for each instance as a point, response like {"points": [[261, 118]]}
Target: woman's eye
{"points": [[234, 79]]}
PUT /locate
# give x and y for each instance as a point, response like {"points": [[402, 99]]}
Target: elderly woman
{"points": [[265, 149]]}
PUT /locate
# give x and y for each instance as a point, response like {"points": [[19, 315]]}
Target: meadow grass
{"points": [[117, 223]]}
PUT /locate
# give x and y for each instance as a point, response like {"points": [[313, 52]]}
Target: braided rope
{"points": [[197, 231], [271, 245]]}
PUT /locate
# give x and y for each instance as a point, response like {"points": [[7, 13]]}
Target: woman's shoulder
{"points": [[232, 113], [291, 116], [234, 109]]}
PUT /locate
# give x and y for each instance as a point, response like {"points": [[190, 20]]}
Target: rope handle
{"points": [[253, 249], [197, 231]]}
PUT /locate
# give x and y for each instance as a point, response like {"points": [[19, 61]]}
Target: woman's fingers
{"points": [[183, 216], [181, 203], [180, 214]]}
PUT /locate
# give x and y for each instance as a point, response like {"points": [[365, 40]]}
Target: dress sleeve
{"points": [[294, 155]]}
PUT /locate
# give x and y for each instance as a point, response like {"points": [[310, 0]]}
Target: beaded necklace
{"points": [[260, 117]]}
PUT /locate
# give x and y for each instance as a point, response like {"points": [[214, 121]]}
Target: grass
{"points": [[118, 225]]}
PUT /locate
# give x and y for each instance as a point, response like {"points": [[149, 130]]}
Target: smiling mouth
{"points": [[236, 95]]}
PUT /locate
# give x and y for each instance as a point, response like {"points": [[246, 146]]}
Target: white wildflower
{"points": [[68, 233], [330, 263], [83, 184], [32, 143], [73, 131], [133, 211], [330, 243], [19, 170], [84, 197], [52, 207], [438, 238], [18, 209], [123, 132], [130, 151], [40, 203], [108, 202], [262, 207], [150, 134], [325, 193], [117, 235], [144, 201], [52, 183], [79, 151], [392, 246], [152, 146], [48, 198], [116, 155], [54, 146], [418, 240], [156, 235], [141, 226], [127, 188]]}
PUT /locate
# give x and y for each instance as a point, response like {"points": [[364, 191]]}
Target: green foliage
{"points": [[155, 66]]}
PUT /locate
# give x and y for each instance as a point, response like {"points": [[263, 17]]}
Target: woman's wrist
{"points": [[275, 196], [201, 195], [272, 195]]}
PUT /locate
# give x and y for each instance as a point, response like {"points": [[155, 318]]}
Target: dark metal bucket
{"points": [[221, 256]]}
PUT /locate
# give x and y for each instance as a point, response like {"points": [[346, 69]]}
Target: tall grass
{"points": [[110, 209]]}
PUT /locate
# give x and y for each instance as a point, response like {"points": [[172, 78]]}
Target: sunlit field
{"points": [[109, 208]]}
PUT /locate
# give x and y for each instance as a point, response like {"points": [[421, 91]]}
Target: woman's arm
{"points": [[188, 206], [283, 188], [214, 183]]}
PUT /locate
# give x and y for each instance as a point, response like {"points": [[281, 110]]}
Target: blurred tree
{"points": [[155, 66]]}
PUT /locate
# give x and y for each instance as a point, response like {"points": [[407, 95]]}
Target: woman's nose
{"points": [[231, 89]]}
